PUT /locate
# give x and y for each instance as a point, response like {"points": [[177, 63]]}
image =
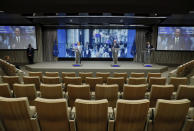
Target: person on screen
{"points": [[30, 54], [18, 41], [176, 42]]}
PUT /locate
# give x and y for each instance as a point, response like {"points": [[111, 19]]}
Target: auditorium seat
{"points": [[77, 92], [83, 75], [135, 74], [91, 115], [36, 74], [153, 75], [53, 114], [123, 74], [50, 80], [32, 80], [157, 81], [11, 80], [169, 115], [52, 74], [160, 92], [67, 74], [116, 80], [5, 90], [137, 81], [131, 115], [51, 91], [109, 92], [186, 92], [72, 80], [92, 81], [134, 92], [25, 90], [104, 75], [176, 81], [17, 115]]}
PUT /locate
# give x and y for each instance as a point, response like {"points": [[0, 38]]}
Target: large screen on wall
{"points": [[175, 38], [17, 37], [96, 43]]}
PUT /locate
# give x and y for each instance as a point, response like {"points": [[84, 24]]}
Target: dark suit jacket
{"points": [[18, 45], [180, 45], [30, 52]]}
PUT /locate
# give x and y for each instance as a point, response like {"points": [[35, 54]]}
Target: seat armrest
{"points": [[147, 95], [188, 125], [110, 113], [92, 94], [173, 97], [111, 125], [72, 114], [190, 114]]}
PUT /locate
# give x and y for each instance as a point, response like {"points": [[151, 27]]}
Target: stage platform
{"points": [[95, 66]]}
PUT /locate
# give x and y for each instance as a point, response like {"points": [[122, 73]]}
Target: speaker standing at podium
{"points": [[147, 55]]}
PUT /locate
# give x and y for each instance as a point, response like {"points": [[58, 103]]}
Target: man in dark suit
{"points": [[18, 41], [177, 42], [30, 54], [148, 45]]}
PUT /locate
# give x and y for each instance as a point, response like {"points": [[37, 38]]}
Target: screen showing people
{"points": [[96, 43], [17, 37], [175, 38]]}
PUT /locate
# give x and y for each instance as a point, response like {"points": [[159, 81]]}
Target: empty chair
{"points": [[17, 115], [169, 115], [25, 90], [160, 92], [68, 74], [137, 81], [153, 75], [50, 80], [92, 81], [109, 92], [51, 91], [176, 81], [72, 80], [116, 80], [186, 92], [131, 115], [157, 81], [53, 114], [104, 75], [11, 80], [91, 115], [77, 91], [36, 74], [134, 92], [52, 74], [32, 80], [134, 74], [123, 74], [83, 75], [5, 90]]}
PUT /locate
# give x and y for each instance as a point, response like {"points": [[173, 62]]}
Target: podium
{"points": [[115, 57], [147, 57], [77, 58]]}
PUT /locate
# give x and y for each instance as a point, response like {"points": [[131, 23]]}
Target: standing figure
{"points": [[30, 54]]}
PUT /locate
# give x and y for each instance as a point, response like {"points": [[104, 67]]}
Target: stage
{"points": [[95, 66]]}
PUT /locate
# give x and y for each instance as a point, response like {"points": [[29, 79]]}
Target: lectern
{"points": [[115, 57], [147, 57], [77, 57]]}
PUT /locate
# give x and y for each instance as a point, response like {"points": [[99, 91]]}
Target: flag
{"points": [[55, 49]]}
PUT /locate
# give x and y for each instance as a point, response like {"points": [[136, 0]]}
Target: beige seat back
{"points": [[15, 114], [36, 74], [77, 92], [123, 74], [67, 74], [170, 115], [160, 92], [104, 75], [91, 115], [25, 90], [32, 80], [52, 74], [50, 80], [72, 80], [83, 75], [52, 114], [153, 75], [134, 74], [131, 115], [92, 81], [137, 81], [186, 92], [176, 81], [116, 80], [5, 90], [51, 91], [157, 81], [109, 92], [134, 92], [11, 80]]}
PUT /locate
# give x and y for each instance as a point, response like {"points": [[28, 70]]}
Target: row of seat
{"points": [[185, 69], [92, 81], [129, 115], [8, 68], [102, 91]]}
